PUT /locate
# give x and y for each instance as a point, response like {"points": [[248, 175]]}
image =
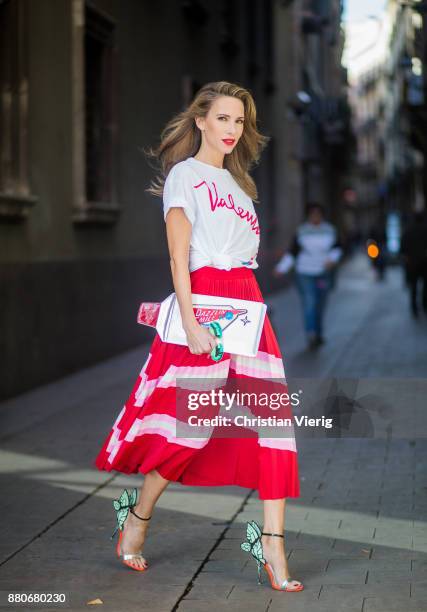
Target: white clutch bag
{"points": [[241, 321]]}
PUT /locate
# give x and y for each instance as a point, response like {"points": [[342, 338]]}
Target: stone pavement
{"points": [[356, 537]]}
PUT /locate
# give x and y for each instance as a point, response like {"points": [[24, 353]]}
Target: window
{"points": [[98, 107], [95, 126], [15, 197]]}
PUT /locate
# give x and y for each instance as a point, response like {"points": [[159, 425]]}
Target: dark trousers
{"points": [[416, 277]]}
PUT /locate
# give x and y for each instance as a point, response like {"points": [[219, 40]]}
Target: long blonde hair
{"points": [[181, 138]]}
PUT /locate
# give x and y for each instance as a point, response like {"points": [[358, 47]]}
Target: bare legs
{"points": [[153, 486], [134, 529], [274, 550]]}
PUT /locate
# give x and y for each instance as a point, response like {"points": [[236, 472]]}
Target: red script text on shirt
{"points": [[217, 202]]}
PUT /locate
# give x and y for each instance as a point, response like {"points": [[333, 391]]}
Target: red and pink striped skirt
{"points": [[143, 436]]}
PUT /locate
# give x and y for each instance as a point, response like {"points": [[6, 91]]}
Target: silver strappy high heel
{"points": [[253, 545], [122, 506]]}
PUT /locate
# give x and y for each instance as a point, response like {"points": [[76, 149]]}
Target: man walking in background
{"points": [[315, 251], [413, 248]]}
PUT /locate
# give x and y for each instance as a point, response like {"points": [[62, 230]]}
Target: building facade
{"points": [[386, 62], [406, 107], [366, 53], [85, 86]]}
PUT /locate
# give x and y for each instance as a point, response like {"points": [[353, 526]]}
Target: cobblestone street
{"points": [[356, 537]]}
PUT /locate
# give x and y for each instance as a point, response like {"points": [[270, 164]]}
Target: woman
{"points": [[315, 251], [213, 238]]}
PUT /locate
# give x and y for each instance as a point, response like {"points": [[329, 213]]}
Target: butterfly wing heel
{"points": [[253, 545], [123, 506]]}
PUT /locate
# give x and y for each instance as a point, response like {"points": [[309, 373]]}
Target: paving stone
{"points": [[220, 565], [419, 589], [220, 578], [209, 593], [342, 577], [350, 487], [306, 540], [385, 552], [344, 547], [255, 596], [355, 594], [326, 555], [189, 605], [300, 605], [390, 576], [394, 603], [227, 554]]}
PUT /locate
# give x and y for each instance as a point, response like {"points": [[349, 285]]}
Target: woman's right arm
{"points": [[178, 231]]}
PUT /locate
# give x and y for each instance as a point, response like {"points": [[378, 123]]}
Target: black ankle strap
{"points": [[278, 535], [140, 517]]}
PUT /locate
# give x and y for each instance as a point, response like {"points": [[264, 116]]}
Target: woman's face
{"points": [[223, 125]]}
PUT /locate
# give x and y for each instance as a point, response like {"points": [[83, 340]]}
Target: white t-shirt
{"points": [[225, 232]]}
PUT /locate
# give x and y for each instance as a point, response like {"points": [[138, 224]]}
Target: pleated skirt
{"points": [[144, 434]]}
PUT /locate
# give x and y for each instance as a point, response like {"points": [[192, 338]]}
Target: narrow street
{"points": [[356, 537]]}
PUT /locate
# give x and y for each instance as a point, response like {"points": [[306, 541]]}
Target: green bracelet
{"points": [[217, 352], [215, 329]]}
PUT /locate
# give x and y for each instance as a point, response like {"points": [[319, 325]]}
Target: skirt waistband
{"points": [[212, 272]]}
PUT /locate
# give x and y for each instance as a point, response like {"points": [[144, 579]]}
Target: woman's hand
{"points": [[277, 274], [199, 339], [329, 264]]}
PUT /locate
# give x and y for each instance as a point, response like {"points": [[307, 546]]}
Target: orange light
{"points": [[373, 251]]}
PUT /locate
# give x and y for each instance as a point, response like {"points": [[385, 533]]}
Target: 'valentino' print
{"points": [[217, 202]]}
